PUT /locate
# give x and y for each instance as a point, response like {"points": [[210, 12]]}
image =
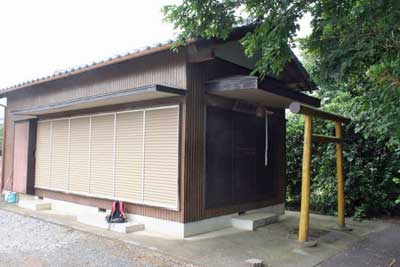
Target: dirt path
{"points": [[31, 242]]}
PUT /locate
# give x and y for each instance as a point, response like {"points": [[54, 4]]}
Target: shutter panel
{"points": [[102, 156], [161, 156], [43, 154], [79, 149], [129, 155], [59, 155]]}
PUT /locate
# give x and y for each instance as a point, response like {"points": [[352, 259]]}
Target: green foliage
{"points": [[353, 54], [397, 182], [354, 45], [371, 168], [202, 19], [277, 22]]}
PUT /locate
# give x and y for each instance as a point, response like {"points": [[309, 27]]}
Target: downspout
{"points": [[3, 147]]}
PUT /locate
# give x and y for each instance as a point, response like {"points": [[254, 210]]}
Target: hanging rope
{"points": [[267, 113]]}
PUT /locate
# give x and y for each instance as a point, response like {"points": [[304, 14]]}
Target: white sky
{"points": [[39, 37]]}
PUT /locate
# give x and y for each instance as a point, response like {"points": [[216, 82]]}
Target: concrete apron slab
{"points": [[274, 244]]}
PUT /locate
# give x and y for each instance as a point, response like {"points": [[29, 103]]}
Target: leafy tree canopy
{"points": [[353, 54], [354, 46]]}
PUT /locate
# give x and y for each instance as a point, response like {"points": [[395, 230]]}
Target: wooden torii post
{"points": [[309, 113]]}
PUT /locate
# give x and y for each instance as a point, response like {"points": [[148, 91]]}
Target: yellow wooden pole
{"points": [[305, 181], [339, 171]]}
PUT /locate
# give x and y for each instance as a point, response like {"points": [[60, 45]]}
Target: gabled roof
{"points": [[92, 66], [293, 67]]}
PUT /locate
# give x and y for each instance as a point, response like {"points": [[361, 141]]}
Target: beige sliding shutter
{"points": [[59, 155], [129, 155], [161, 156], [102, 156], [43, 154], [79, 172]]}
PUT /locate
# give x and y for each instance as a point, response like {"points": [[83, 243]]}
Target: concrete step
{"points": [[252, 221], [34, 204], [98, 220]]}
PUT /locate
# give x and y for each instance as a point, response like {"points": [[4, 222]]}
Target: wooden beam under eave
{"points": [[324, 139], [298, 108]]}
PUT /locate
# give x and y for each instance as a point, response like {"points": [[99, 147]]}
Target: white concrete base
{"points": [[207, 225], [98, 220], [251, 222], [164, 227], [86, 214], [221, 222], [34, 204], [71, 208]]}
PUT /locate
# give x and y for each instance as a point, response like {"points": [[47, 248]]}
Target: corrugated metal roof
{"points": [[135, 53], [162, 46], [94, 65]]}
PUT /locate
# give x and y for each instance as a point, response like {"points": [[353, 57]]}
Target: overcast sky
{"points": [[42, 36]]}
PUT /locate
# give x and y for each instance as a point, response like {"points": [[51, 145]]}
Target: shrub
{"points": [[371, 171]]}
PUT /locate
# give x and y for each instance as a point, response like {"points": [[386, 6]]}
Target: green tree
{"points": [[353, 53], [355, 45]]}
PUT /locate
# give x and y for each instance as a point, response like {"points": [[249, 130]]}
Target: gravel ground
{"points": [[31, 242]]}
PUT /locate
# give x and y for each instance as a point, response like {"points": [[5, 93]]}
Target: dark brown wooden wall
{"points": [[170, 69], [194, 203]]}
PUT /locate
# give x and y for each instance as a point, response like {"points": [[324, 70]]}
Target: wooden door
{"points": [[20, 165], [245, 148], [219, 177]]}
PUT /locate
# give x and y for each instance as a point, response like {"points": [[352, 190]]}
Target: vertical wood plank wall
{"points": [[194, 203], [163, 68]]}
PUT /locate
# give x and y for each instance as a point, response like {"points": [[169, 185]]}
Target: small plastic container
{"points": [[12, 197]]}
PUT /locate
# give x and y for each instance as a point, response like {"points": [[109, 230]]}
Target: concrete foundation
{"points": [[91, 216]]}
